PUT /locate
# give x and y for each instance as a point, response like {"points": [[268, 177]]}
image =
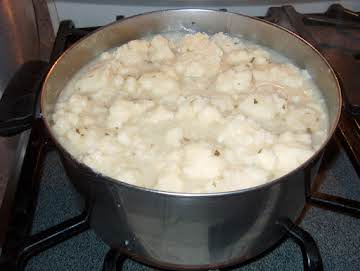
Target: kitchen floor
{"points": [[338, 236]]}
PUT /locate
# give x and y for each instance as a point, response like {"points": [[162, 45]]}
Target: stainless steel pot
{"points": [[191, 230]]}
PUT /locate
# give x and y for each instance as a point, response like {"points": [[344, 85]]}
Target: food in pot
{"points": [[191, 113]]}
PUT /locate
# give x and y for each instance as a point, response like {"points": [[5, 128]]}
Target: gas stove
{"points": [[48, 227]]}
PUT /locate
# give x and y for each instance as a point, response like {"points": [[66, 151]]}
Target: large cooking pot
{"points": [[191, 230]]}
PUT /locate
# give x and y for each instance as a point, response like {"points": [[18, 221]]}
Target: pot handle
{"points": [[310, 251], [19, 102]]}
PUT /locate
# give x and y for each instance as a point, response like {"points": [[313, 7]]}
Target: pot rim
{"points": [[187, 194]]}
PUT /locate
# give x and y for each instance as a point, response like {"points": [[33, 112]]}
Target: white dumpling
{"points": [[264, 106], [242, 131], [133, 53], [157, 84], [227, 43], [159, 114], [295, 138], [209, 114], [98, 76], [304, 118], [160, 50], [198, 56], [174, 136], [237, 79], [237, 57], [201, 161], [123, 110], [284, 74], [259, 56], [290, 156], [266, 159]]}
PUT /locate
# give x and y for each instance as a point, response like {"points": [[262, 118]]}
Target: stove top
{"points": [[337, 235], [49, 210]]}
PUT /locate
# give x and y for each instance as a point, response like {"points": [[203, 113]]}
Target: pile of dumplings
{"points": [[191, 113]]}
